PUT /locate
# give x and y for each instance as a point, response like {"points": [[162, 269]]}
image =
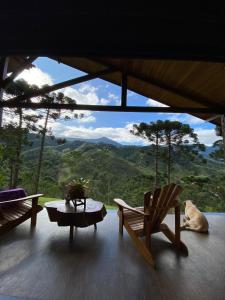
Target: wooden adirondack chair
{"points": [[144, 221]]}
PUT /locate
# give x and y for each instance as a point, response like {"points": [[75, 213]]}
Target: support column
{"points": [[3, 73], [223, 133], [124, 90]]}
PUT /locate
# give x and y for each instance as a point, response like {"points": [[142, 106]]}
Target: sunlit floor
{"points": [[101, 265]]}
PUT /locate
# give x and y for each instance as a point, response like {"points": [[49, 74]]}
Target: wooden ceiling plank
{"points": [[165, 87]]}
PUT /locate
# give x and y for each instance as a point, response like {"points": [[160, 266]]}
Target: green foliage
{"points": [[218, 153], [124, 172], [173, 134], [153, 132], [112, 172], [13, 137], [201, 179]]}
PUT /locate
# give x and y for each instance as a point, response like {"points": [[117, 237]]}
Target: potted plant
{"points": [[77, 191]]}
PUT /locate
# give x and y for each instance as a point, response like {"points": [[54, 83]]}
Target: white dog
{"points": [[195, 220]]}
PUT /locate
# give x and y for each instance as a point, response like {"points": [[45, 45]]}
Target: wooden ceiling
{"points": [[174, 83], [142, 39], [16, 62]]}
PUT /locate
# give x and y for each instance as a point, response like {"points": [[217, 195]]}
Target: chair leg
{"points": [[171, 236], [141, 246], [34, 212], [147, 236], [177, 226], [121, 221], [71, 232]]}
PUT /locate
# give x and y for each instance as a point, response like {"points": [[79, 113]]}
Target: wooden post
{"points": [[34, 212], [223, 133], [121, 220], [71, 232], [3, 73], [124, 90]]}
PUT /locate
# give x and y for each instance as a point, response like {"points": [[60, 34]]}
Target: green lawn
{"points": [[42, 201]]}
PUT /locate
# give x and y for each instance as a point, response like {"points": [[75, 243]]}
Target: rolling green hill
{"points": [[122, 171]]}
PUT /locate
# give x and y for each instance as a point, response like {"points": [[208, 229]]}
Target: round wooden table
{"points": [[65, 214]]}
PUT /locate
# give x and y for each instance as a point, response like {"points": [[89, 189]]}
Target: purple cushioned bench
{"points": [[16, 207], [11, 195]]}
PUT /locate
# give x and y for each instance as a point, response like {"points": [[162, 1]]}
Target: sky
{"points": [[114, 125]]}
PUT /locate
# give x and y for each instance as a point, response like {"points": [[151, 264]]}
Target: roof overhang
{"points": [[180, 84], [184, 86], [172, 53], [157, 29]]}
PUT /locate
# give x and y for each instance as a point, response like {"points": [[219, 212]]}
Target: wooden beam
{"points": [[124, 89], [212, 118], [223, 133], [33, 105], [61, 85], [20, 69]]}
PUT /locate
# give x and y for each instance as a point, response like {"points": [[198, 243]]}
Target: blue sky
{"points": [[110, 124]]}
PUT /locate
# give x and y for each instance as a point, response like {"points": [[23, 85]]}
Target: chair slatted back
{"points": [[160, 202]]}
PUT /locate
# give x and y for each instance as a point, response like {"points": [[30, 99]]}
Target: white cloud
{"points": [[113, 96], [119, 134], [36, 76], [87, 88], [184, 118], [154, 103], [206, 136], [87, 119], [87, 96]]}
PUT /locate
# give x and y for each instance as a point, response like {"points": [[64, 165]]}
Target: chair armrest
{"points": [[123, 204], [22, 199]]}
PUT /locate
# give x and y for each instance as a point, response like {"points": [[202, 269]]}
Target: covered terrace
{"points": [[185, 73]]}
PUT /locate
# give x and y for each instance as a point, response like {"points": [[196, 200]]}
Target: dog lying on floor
{"points": [[194, 220]]}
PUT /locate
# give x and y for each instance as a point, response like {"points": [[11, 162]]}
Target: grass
{"points": [[42, 201]]}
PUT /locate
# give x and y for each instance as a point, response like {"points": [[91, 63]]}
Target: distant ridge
{"points": [[35, 139], [102, 140]]}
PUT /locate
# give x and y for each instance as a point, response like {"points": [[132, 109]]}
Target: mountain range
{"points": [[74, 142], [115, 170]]}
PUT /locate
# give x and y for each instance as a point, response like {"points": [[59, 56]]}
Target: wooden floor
{"points": [[101, 265]]}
